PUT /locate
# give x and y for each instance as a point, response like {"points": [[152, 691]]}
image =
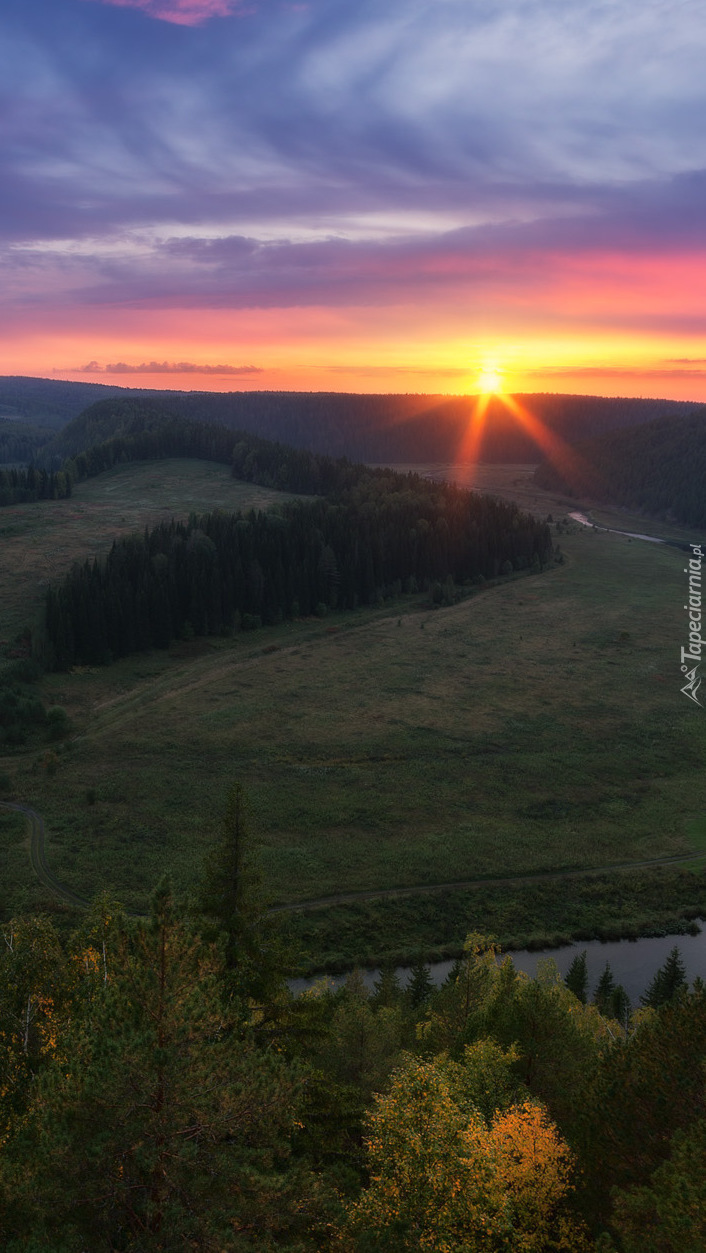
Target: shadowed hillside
{"points": [[660, 468], [413, 428]]}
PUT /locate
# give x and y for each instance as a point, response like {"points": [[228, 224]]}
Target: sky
{"points": [[355, 195]]}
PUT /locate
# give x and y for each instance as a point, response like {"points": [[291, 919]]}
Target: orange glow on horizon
{"points": [[385, 349]]}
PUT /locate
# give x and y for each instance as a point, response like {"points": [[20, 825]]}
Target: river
{"points": [[581, 517], [633, 962]]}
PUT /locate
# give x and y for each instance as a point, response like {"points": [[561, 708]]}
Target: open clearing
{"points": [[536, 726], [41, 541]]}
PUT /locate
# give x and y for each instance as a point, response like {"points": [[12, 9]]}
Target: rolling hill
{"points": [[382, 428], [658, 468]]}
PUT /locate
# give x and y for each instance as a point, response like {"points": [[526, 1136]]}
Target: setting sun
{"points": [[490, 380]]}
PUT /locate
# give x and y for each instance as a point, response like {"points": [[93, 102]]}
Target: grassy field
{"points": [[41, 541], [16, 875], [536, 726]]}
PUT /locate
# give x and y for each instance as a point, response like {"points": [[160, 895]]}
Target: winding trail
{"points": [[350, 898], [38, 858]]}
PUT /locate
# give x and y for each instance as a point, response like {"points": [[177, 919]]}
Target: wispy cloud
{"points": [[181, 12], [380, 371], [612, 372], [166, 367]]}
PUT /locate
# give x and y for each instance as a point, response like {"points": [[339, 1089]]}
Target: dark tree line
{"points": [[148, 432], [19, 487], [387, 534], [395, 428], [659, 468]]}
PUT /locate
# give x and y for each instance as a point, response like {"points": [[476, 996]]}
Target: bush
{"points": [[58, 722]]}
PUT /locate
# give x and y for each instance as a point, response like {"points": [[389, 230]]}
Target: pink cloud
{"points": [[181, 12]]}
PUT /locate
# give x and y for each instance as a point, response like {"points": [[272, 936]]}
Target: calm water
{"points": [[581, 517], [633, 962]]}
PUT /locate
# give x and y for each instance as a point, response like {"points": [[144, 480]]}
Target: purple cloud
{"points": [[347, 153], [166, 367]]}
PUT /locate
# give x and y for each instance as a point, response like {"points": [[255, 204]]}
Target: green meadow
{"points": [[535, 727], [40, 541]]}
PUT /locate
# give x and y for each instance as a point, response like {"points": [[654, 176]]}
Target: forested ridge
{"points": [[162, 1090], [126, 430], [403, 428], [658, 468], [20, 441], [48, 402]]}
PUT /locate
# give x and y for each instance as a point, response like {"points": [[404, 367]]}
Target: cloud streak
{"points": [[180, 12], [167, 367]]}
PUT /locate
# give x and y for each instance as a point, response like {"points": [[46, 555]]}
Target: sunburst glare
{"points": [[490, 380], [490, 400]]}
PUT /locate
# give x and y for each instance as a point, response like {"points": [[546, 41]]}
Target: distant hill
{"points": [[384, 428], [416, 428], [48, 402], [658, 468]]}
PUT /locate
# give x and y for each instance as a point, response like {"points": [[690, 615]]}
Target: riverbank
{"points": [[633, 963], [541, 914]]}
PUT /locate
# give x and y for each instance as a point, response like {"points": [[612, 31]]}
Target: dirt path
{"points": [[38, 858], [349, 898]]}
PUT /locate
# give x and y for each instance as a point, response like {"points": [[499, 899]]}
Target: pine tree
{"points": [[420, 986], [230, 902], [667, 982], [387, 989], [576, 978], [160, 1124], [604, 991], [620, 1007]]}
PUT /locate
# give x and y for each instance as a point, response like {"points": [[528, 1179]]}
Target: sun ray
{"points": [[555, 449], [468, 452]]}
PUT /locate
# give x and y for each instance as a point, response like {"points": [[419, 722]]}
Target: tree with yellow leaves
{"points": [[33, 985], [446, 1178]]}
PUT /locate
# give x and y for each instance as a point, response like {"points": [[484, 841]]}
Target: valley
{"points": [[536, 726]]}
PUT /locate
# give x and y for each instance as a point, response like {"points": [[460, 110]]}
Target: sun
{"points": [[490, 380]]}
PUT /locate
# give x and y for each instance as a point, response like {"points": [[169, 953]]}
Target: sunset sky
{"points": [[356, 195]]}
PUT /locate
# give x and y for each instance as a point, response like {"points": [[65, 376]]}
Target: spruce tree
{"points": [[159, 1124], [667, 982], [420, 986], [604, 991], [231, 904], [387, 989], [576, 978], [620, 1007]]}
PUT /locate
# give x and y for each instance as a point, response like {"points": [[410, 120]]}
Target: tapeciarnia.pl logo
{"points": [[691, 657]]}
